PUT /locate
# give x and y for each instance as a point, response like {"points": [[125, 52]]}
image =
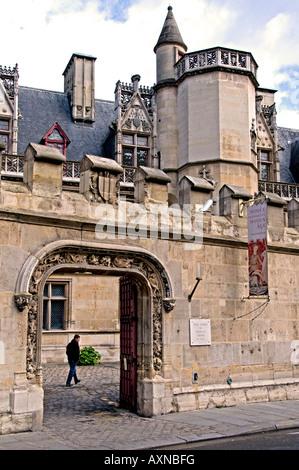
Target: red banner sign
{"points": [[257, 249]]}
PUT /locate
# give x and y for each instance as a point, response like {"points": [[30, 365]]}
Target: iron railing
{"points": [[13, 168], [284, 190]]}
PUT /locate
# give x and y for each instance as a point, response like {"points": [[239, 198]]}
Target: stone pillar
{"points": [[99, 178], [276, 216], [194, 190], [156, 396], [43, 168], [26, 405], [293, 214], [231, 200], [150, 186]]}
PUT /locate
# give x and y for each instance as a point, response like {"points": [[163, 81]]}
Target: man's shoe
{"points": [[77, 382], [69, 385]]}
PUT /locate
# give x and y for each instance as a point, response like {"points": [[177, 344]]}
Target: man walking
{"points": [[73, 352]]}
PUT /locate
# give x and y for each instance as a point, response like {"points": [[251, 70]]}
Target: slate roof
{"points": [[285, 138], [42, 108], [294, 166]]}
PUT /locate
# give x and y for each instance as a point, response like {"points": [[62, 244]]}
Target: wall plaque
{"points": [[200, 332]]}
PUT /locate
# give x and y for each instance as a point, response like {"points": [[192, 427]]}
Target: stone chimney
{"points": [[79, 78], [135, 80]]}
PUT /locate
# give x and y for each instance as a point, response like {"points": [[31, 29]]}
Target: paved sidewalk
{"points": [[87, 417]]}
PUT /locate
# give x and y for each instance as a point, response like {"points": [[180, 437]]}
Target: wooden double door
{"points": [[128, 344]]}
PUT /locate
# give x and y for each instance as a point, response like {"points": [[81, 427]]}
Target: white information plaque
{"points": [[200, 332]]}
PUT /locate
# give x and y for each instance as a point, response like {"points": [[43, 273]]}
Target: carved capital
{"points": [[22, 301]]}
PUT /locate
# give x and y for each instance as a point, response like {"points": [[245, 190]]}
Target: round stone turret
{"points": [[169, 48]]}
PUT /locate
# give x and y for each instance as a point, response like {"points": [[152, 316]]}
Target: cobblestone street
{"points": [[81, 414], [98, 390], [87, 416]]}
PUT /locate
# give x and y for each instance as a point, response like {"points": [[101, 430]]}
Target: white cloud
{"points": [[275, 29], [276, 46], [203, 24], [44, 34], [288, 118]]}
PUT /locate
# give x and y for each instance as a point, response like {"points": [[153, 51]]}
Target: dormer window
{"points": [[56, 138], [265, 162], [136, 150]]}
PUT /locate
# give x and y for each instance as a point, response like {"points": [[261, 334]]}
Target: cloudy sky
{"points": [[41, 35]]}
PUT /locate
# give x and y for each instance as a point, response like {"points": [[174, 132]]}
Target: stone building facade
{"points": [[127, 222]]}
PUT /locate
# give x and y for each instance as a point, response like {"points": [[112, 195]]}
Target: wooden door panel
{"points": [[128, 344]]}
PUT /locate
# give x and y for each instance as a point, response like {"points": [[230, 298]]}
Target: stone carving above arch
{"points": [[117, 261]]}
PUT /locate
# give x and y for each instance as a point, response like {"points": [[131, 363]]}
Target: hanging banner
{"points": [[257, 249]]}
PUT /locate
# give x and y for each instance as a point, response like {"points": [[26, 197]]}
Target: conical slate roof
{"points": [[170, 33]]}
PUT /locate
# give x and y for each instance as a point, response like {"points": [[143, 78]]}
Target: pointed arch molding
{"points": [[112, 259]]}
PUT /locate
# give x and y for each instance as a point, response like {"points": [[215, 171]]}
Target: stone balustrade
{"points": [[285, 190], [217, 57]]}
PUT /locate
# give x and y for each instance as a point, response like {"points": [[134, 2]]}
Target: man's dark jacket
{"points": [[73, 351]]}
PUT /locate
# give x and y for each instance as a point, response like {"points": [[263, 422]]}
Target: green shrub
{"points": [[89, 357]]}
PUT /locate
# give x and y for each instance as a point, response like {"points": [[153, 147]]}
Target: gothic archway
{"points": [[84, 256]]}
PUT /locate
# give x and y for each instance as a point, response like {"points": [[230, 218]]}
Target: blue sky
{"points": [[122, 34], [114, 10]]}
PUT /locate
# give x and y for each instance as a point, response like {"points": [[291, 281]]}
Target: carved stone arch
{"points": [[91, 256]]}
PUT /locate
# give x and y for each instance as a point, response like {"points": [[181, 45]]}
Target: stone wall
{"points": [[253, 351]]}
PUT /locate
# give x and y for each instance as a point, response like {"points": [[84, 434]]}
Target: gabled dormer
{"points": [[56, 138], [266, 136], [134, 143]]}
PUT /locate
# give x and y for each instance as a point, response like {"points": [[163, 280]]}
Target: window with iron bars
{"points": [[56, 305]]}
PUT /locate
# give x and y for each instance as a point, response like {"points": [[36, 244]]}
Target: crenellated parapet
{"points": [[100, 184], [217, 58], [125, 91], [10, 78]]}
